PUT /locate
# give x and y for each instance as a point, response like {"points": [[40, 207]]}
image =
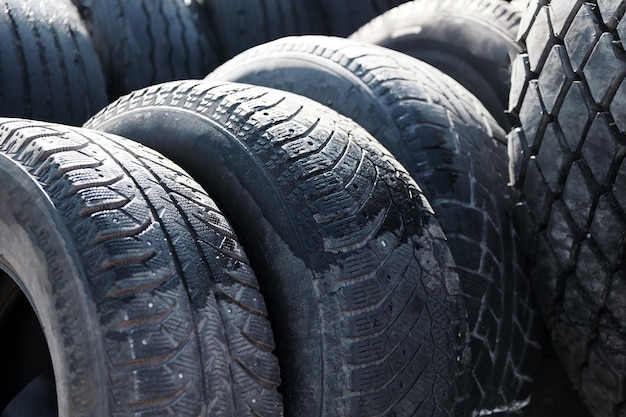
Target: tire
{"points": [[39, 393], [27, 380], [345, 16], [144, 42], [242, 24], [567, 159], [473, 41], [146, 299], [456, 151], [49, 69], [363, 300]]}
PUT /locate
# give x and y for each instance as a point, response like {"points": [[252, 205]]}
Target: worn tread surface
{"points": [[473, 41], [366, 308], [160, 263], [144, 42], [456, 151], [49, 69], [567, 163], [242, 24]]}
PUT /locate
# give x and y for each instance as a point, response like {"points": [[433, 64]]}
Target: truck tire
{"points": [[567, 163], [144, 42], [146, 299], [473, 41], [345, 16], [448, 142], [242, 24], [49, 69], [366, 309]]}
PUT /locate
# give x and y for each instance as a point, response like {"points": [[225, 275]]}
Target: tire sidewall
{"points": [[37, 253], [211, 154]]}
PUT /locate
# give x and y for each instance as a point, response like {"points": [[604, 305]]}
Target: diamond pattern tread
{"points": [[566, 163]]}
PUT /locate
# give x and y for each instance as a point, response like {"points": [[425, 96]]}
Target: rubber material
{"points": [[567, 163], [363, 299], [24, 357], [345, 16], [452, 147], [49, 69], [242, 24], [147, 301], [36, 400], [144, 42], [473, 41]]}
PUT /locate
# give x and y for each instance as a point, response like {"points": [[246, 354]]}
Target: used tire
{"points": [[26, 380], [49, 69], [146, 299], [567, 163], [345, 16], [473, 41], [452, 147], [144, 42], [364, 303], [242, 24]]}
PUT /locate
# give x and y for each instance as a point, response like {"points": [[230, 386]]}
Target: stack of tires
{"points": [[213, 208]]}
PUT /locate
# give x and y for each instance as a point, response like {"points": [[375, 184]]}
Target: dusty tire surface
{"points": [[448, 142], [567, 163], [366, 309], [146, 299], [49, 69], [472, 41], [143, 42]]}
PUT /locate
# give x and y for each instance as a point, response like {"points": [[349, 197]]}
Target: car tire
{"points": [[145, 42], [49, 68], [146, 299], [363, 300], [472, 41], [344, 17], [448, 142], [242, 24]]}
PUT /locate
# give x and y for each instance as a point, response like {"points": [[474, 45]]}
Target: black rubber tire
{"points": [[567, 163], [27, 380], [345, 16], [49, 69], [37, 399], [242, 24], [366, 309], [473, 41], [456, 151], [146, 299], [144, 42]]}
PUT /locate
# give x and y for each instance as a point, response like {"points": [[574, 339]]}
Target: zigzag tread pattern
{"points": [[410, 105], [117, 196], [239, 307], [407, 244], [158, 314]]}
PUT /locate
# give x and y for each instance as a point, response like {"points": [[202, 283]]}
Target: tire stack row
{"points": [[322, 226]]}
